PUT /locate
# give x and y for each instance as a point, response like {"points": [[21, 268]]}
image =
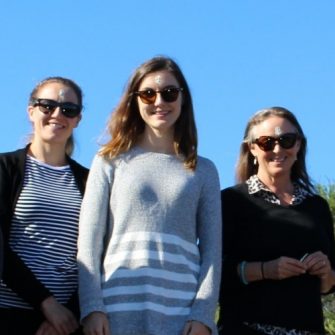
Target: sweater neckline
{"points": [[138, 149]]}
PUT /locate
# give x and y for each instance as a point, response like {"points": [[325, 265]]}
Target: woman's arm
{"points": [[19, 278], [322, 263], [209, 226], [92, 229], [16, 275], [277, 269]]}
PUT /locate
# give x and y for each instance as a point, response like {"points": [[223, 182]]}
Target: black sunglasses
{"points": [[169, 94], [48, 106], [286, 141]]}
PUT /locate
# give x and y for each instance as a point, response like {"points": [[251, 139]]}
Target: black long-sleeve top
{"points": [[16, 274], [257, 230]]}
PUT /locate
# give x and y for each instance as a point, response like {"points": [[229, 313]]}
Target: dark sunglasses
{"points": [[169, 94], [48, 106], [286, 141]]}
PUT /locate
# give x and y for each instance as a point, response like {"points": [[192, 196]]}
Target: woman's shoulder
{"points": [[204, 163], [106, 160], [235, 194], [235, 189], [207, 171], [77, 167], [13, 157], [108, 164], [316, 200]]}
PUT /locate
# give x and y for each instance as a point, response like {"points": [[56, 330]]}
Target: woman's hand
{"points": [[195, 328], [46, 328], [96, 323], [61, 318], [318, 264], [282, 268]]}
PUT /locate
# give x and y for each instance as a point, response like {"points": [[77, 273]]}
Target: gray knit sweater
{"points": [[150, 243]]}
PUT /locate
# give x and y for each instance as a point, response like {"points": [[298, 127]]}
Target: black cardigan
{"points": [[256, 230], [16, 274]]}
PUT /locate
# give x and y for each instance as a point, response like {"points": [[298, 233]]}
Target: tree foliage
{"points": [[328, 192]]}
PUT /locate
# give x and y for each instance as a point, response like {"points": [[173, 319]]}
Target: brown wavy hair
{"points": [[66, 82], [126, 125], [245, 165]]}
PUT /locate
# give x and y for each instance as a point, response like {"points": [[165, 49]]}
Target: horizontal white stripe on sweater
{"points": [[146, 255], [163, 292], [157, 237], [148, 306], [149, 272]]}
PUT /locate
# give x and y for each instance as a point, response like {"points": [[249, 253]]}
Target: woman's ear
{"points": [[30, 111], [252, 149]]}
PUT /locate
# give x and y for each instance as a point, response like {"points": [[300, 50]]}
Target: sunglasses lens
{"points": [[266, 143], [287, 141], [70, 110], [170, 94], [147, 96], [47, 106]]}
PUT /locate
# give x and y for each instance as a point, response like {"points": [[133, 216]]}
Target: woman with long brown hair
{"points": [[150, 224]]}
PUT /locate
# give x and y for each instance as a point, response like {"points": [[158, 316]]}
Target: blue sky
{"points": [[238, 56]]}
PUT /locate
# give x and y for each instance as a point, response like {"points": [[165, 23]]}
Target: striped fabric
{"points": [[151, 271], [44, 230], [160, 224]]}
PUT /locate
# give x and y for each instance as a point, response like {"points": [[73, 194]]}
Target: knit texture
{"points": [[150, 243]]}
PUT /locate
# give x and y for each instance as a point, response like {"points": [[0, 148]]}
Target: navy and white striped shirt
{"points": [[44, 230]]}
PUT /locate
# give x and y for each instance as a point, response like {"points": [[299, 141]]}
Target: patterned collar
{"points": [[255, 186]]}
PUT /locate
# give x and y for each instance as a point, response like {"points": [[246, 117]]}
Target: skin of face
{"points": [[279, 161], [160, 116], [53, 128]]}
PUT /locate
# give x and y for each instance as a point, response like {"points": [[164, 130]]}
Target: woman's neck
{"points": [[157, 142], [53, 155], [282, 186]]}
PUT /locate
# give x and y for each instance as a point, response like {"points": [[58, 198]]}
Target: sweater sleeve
{"points": [[209, 234], [92, 229]]}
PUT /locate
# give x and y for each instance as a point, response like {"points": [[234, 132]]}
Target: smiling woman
{"points": [[53, 126], [41, 189], [149, 237], [279, 251], [161, 111]]}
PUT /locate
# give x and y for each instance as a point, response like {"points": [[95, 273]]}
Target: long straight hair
{"points": [[126, 125]]}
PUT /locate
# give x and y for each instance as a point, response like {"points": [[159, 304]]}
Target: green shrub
{"points": [[329, 313]]}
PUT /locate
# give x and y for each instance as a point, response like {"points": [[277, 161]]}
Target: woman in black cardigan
{"points": [[278, 255], [41, 189]]}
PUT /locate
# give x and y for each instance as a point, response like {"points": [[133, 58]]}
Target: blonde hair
{"points": [[245, 165]]}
